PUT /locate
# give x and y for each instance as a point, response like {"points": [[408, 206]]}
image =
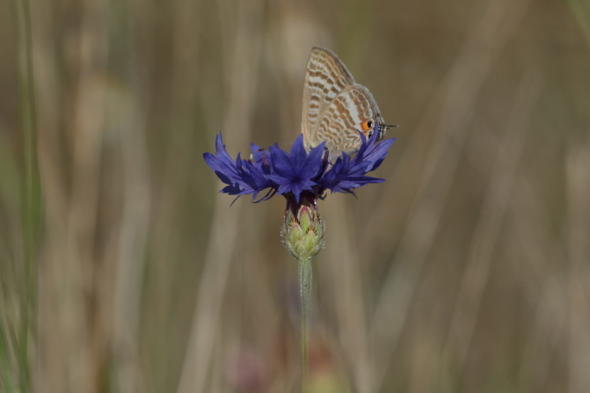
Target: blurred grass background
{"points": [[123, 270]]}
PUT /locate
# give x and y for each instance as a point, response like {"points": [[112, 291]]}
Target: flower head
{"points": [[297, 172]]}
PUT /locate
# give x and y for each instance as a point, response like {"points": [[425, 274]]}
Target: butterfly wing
{"points": [[325, 78], [354, 109]]}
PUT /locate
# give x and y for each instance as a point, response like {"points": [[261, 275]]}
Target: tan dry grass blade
{"points": [[578, 247], [487, 230], [456, 102], [242, 58]]}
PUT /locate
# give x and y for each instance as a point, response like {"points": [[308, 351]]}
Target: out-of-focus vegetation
{"points": [[467, 271]]}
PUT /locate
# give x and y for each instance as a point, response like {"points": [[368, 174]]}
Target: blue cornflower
{"points": [[301, 177], [297, 173]]}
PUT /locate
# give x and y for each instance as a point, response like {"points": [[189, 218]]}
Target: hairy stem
{"points": [[305, 279]]}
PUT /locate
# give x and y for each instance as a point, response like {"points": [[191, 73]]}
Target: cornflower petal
{"points": [[297, 172]]}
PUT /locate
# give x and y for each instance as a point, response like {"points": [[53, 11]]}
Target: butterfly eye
{"points": [[367, 125]]}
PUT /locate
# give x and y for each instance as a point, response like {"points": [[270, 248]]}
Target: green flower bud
{"points": [[303, 231]]}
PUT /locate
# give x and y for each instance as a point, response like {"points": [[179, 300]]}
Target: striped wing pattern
{"points": [[334, 106]]}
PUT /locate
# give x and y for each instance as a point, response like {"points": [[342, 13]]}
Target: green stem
{"points": [[30, 191], [305, 278]]}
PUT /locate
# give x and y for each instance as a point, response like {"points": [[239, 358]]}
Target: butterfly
{"points": [[335, 107]]}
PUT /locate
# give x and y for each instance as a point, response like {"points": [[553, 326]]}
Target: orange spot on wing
{"points": [[365, 125]]}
